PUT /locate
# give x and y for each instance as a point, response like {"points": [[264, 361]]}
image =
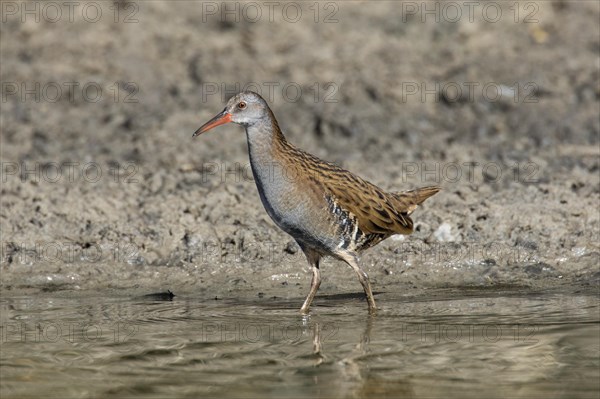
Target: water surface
{"points": [[449, 344]]}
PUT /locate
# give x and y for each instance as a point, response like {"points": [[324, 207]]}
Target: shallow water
{"points": [[446, 345]]}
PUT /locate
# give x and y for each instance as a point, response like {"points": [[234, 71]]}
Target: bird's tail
{"points": [[410, 200]]}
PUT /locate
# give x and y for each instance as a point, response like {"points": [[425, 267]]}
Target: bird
{"points": [[328, 210]]}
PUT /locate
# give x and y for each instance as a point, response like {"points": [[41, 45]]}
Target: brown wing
{"points": [[370, 204], [377, 212]]}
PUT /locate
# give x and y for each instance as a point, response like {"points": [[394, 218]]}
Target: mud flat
{"points": [[103, 187]]}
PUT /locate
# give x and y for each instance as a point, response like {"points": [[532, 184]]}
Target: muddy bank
{"points": [[103, 187]]}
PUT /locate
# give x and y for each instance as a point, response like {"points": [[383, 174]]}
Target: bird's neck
{"points": [[265, 141]]}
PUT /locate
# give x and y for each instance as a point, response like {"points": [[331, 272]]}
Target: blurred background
{"points": [[497, 102]]}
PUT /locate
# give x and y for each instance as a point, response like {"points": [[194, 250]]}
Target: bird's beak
{"points": [[221, 118]]}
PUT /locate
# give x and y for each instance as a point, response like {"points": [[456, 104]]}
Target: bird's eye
{"points": [[242, 105]]}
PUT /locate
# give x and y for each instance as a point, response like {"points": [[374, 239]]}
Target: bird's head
{"points": [[246, 108]]}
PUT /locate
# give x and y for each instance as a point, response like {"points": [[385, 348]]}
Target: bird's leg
{"points": [[352, 261], [313, 260]]}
